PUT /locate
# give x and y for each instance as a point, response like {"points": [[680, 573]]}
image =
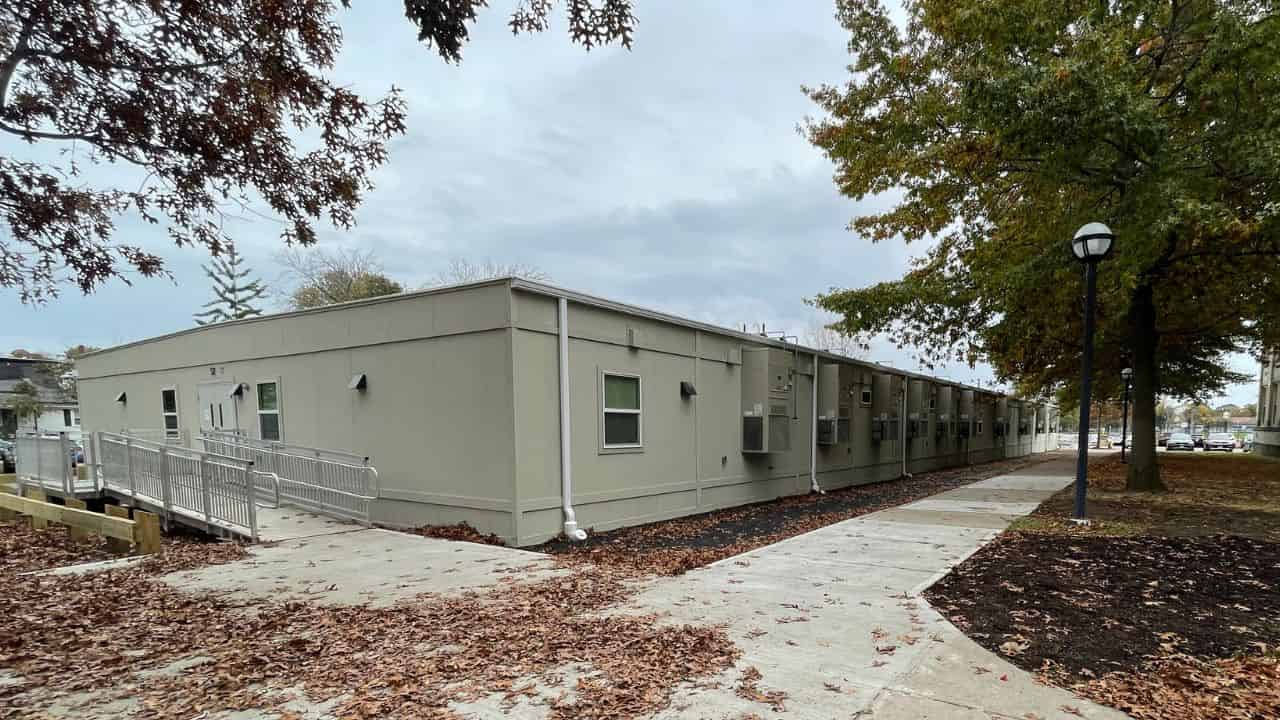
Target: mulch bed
{"points": [[1160, 627], [674, 546]]}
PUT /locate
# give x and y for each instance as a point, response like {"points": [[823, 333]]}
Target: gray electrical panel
{"points": [[768, 396]]}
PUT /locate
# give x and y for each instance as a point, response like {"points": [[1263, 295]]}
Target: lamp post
{"points": [[1090, 245], [1127, 374]]}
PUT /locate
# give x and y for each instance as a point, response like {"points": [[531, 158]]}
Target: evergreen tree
{"points": [[233, 295]]}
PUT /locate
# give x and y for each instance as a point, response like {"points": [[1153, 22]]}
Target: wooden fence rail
{"points": [[142, 532]]}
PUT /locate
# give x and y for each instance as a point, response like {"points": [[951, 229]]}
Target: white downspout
{"points": [[813, 446], [902, 429], [571, 530]]}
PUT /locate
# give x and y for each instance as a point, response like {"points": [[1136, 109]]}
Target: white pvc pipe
{"points": [[813, 447], [902, 429], [571, 530]]}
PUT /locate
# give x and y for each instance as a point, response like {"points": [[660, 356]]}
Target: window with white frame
{"points": [[979, 431], [622, 411], [66, 418], [269, 410], [865, 398], [169, 411]]}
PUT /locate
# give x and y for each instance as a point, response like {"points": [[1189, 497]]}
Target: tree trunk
{"points": [[1144, 474]]}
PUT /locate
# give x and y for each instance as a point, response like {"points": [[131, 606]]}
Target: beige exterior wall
{"points": [[1266, 438], [692, 459], [461, 412], [436, 418]]}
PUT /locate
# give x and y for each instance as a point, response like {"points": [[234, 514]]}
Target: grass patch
{"points": [[1237, 494]]}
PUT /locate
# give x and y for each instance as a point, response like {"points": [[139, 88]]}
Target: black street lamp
{"points": [[1091, 244], [1127, 374]]}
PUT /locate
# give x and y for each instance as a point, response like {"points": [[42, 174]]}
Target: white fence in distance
{"points": [[45, 461]]}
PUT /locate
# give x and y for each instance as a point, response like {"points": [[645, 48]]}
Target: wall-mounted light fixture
{"points": [[687, 389], [122, 398], [359, 382], [237, 391]]}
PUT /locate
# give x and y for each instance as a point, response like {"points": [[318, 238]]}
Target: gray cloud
{"points": [[670, 176]]}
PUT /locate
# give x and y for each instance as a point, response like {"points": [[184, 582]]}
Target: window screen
{"points": [[622, 425]]}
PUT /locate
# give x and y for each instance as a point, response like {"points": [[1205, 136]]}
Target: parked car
{"points": [[1220, 441], [1181, 441], [1248, 442], [1162, 439], [1198, 439]]}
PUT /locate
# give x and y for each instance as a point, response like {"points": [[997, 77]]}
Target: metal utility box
{"points": [[834, 397], [768, 396]]}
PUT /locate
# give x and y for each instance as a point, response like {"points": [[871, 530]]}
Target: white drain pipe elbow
{"points": [[813, 446], [571, 529]]}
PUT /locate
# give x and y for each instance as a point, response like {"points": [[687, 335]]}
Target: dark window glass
{"points": [[269, 426], [170, 400], [621, 429], [170, 422]]}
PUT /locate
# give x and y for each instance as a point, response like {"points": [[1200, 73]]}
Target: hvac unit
{"points": [[880, 428], [913, 426], [886, 406], [833, 407], [766, 400]]}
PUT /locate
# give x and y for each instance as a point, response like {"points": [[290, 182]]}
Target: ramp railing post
{"points": [[35, 445], [164, 481], [128, 467], [204, 487], [253, 503], [64, 449]]}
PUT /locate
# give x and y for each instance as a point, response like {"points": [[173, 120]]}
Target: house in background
{"points": [[61, 410], [1266, 438], [528, 410]]}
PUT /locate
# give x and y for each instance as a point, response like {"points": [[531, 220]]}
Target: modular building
{"points": [[1266, 440], [528, 410]]}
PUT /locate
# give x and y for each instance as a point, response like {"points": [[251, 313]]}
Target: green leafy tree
{"points": [[205, 101], [26, 403], [234, 294], [1001, 127], [317, 277]]}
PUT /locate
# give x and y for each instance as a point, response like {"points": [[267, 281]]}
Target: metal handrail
{"points": [[239, 438]]}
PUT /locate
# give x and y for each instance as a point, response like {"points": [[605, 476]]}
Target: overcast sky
{"points": [[670, 176]]}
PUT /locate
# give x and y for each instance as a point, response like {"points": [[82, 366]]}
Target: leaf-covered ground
{"points": [[674, 546], [1168, 606], [109, 637]]}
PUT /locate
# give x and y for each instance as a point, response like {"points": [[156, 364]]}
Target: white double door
{"points": [[217, 406]]}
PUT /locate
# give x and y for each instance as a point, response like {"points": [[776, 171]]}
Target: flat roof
{"points": [[540, 288]]}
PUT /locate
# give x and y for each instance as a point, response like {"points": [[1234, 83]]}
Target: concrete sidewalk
{"points": [[833, 618]]}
